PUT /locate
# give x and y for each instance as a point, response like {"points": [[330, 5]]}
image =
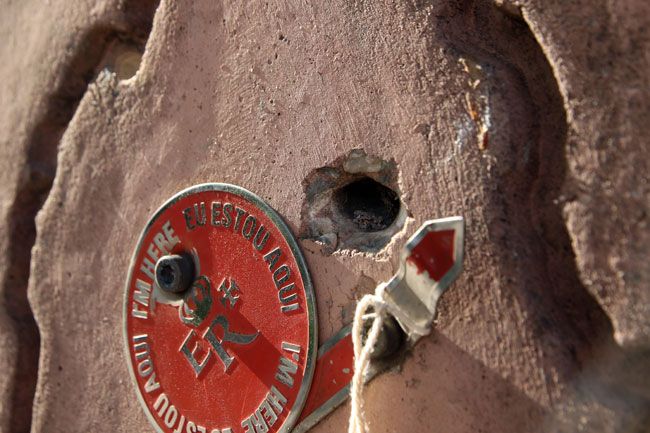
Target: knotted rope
{"points": [[362, 351]]}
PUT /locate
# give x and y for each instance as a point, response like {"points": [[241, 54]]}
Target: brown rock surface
{"points": [[527, 119], [49, 54]]}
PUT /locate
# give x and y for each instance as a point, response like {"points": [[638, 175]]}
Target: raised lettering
{"points": [[260, 240], [190, 354], [267, 411], [259, 422], [227, 336], [227, 214], [285, 296], [281, 275], [142, 292], [290, 347], [137, 313], [151, 384], [289, 308], [277, 399], [140, 346], [286, 369], [216, 211], [199, 212], [145, 368], [170, 416], [161, 242], [148, 268], [172, 239], [153, 253], [160, 404], [188, 219], [240, 212], [181, 424], [251, 223], [228, 288], [248, 426], [272, 258]]}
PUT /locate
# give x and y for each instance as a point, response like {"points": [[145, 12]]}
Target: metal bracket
{"points": [[431, 260]]}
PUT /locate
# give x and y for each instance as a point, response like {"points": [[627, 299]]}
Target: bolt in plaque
{"points": [[219, 316]]}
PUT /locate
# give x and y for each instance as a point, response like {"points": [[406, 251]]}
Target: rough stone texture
{"points": [[50, 53], [603, 76], [526, 118]]}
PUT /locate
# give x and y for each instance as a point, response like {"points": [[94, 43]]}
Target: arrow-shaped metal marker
{"points": [[431, 260]]}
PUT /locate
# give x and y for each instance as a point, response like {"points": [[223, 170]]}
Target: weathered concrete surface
{"points": [[33, 56], [49, 53], [604, 79], [526, 119]]}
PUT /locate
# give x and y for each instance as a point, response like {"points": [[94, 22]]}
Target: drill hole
{"points": [[367, 204], [353, 204]]}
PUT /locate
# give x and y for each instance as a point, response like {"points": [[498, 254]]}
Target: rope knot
{"points": [[363, 350]]}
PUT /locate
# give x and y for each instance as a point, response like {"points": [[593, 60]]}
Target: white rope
{"points": [[362, 352]]}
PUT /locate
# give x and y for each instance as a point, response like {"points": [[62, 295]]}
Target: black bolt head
{"points": [[390, 339], [174, 273]]}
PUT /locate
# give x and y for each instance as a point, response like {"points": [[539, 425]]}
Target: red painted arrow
{"points": [[436, 248]]}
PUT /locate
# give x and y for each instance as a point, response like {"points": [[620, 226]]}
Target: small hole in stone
{"points": [[352, 204], [369, 205], [122, 58]]}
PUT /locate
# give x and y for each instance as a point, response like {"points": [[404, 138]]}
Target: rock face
{"points": [[527, 118]]}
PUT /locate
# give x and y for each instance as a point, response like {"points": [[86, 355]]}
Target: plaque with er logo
{"points": [[219, 316]]}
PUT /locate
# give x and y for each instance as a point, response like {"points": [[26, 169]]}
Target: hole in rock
{"points": [[123, 58], [369, 205], [352, 204]]}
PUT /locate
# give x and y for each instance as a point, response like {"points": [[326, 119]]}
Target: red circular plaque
{"points": [[236, 351]]}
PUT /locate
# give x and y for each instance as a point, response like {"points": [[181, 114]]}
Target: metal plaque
{"points": [[219, 316]]}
